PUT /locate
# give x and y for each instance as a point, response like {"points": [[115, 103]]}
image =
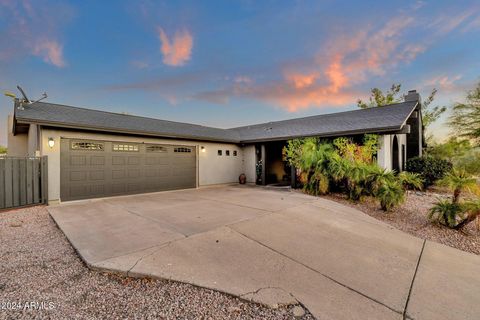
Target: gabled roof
{"points": [[374, 120]]}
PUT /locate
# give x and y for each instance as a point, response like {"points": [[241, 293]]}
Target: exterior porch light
{"points": [[51, 142], [202, 148]]}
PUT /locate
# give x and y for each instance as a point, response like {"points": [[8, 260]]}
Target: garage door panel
{"points": [[80, 160], [98, 189], [118, 188], [97, 175], [133, 160], [97, 160], [134, 187], [88, 171], [78, 176], [134, 173], [118, 160], [118, 174]]}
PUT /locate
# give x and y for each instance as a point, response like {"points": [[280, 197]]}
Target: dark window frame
{"points": [[182, 150], [155, 148], [87, 146]]}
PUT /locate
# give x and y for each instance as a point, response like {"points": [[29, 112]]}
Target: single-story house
{"points": [[94, 153]]}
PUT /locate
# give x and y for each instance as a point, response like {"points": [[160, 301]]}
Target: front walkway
{"points": [[276, 247]]}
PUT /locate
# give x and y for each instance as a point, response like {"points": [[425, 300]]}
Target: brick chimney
{"points": [[412, 95]]}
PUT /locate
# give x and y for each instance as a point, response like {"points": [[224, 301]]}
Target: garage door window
{"points": [[155, 148], [86, 145], [125, 147], [188, 150]]}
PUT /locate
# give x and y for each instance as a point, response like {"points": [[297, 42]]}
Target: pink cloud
{"points": [[31, 29], [300, 80], [444, 82], [176, 51], [51, 52], [466, 20], [346, 61]]}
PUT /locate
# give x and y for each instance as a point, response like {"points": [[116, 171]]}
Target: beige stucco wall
{"points": [[17, 145], [385, 151], [33, 140], [212, 169], [249, 158], [402, 140]]}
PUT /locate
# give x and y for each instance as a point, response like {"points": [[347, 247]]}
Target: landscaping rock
{"points": [[298, 312]]}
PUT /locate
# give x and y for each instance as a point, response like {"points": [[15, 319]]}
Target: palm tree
{"points": [[314, 165], [458, 180], [391, 194], [410, 180], [446, 213], [472, 211], [378, 176]]}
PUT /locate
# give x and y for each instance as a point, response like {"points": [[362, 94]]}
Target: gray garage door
{"points": [[90, 168]]}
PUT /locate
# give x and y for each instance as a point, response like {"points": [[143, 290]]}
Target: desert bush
{"points": [[429, 168], [457, 181], [390, 194], [446, 212], [456, 213], [410, 180], [345, 165]]}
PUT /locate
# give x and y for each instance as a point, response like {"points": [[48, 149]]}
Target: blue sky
{"points": [[227, 63]]}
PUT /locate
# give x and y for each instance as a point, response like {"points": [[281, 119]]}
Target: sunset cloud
{"points": [[51, 52], [443, 82], [344, 62], [176, 51], [32, 30]]}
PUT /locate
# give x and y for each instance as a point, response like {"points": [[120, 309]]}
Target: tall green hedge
{"points": [[429, 168]]}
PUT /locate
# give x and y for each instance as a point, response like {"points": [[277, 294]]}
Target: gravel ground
{"points": [[411, 217], [38, 264]]}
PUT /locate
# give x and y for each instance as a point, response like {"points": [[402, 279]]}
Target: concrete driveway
{"points": [[276, 247]]}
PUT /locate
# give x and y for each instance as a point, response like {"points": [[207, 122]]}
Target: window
{"points": [[125, 147], [234, 153], [182, 149], [227, 152], [219, 152], [85, 145], [156, 148]]}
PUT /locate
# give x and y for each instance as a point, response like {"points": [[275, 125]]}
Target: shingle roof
{"points": [[380, 119], [68, 116]]}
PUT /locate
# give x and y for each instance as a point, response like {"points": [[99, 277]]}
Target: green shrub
{"points": [[446, 212], [429, 168], [390, 194], [409, 180]]}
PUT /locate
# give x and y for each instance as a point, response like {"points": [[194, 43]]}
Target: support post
{"points": [[264, 163]]}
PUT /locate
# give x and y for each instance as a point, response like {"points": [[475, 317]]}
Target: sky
{"points": [[233, 63]]}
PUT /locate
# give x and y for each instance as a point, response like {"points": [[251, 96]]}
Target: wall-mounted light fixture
{"points": [[202, 148], [51, 142]]}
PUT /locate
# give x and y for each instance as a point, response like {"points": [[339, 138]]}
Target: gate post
{"points": [[44, 178]]}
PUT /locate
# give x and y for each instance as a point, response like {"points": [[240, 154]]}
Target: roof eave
{"points": [[328, 135], [128, 132]]}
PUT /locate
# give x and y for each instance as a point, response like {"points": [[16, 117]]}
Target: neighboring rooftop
{"points": [[380, 119]]}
